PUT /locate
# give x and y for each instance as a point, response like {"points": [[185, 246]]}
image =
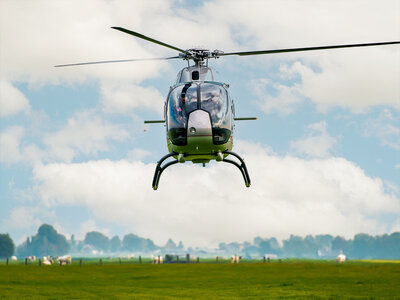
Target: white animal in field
{"points": [[235, 259], [31, 258], [46, 261], [14, 258], [157, 259], [341, 258], [65, 260], [131, 256]]}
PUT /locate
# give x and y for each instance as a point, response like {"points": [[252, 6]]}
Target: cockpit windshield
{"points": [[214, 99], [182, 101]]}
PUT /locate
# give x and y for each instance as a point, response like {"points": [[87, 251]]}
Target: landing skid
{"points": [[159, 169], [242, 167]]}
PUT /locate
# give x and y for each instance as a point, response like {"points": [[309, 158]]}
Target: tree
{"points": [[6, 245], [115, 244], [340, 244], [98, 240], [46, 242], [132, 242], [231, 248], [73, 244], [393, 246], [170, 245], [363, 245], [180, 246], [293, 247]]}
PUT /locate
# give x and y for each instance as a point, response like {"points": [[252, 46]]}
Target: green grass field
{"points": [[254, 280]]}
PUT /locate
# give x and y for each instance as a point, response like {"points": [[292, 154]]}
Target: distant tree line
{"points": [[48, 241], [362, 246]]}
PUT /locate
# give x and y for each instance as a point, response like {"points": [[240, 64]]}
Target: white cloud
{"points": [[317, 142], [10, 140], [283, 99], [63, 32], [138, 154], [67, 32], [90, 225], [396, 226], [25, 217], [12, 100], [70, 31], [385, 127], [13, 149], [203, 206], [85, 133], [357, 82], [355, 78], [125, 97]]}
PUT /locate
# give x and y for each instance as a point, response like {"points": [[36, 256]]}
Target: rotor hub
{"points": [[199, 54]]}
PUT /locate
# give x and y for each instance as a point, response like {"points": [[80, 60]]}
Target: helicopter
{"points": [[199, 112]]}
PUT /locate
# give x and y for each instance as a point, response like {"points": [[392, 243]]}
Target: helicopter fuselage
{"points": [[199, 116]]}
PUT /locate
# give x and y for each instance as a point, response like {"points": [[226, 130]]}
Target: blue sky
{"points": [[323, 155]]}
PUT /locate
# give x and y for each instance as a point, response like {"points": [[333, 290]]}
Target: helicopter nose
{"points": [[199, 124]]}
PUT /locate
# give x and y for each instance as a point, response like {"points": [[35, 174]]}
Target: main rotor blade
{"points": [[116, 61], [306, 49], [149, 39]]}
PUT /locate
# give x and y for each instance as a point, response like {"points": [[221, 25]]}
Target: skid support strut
{"points": [[242, 167], [160, 169]]}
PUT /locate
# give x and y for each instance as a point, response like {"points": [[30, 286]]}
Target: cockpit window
{"points": [[182, 100], [215, 100]]}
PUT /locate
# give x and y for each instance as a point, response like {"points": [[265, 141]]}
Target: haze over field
{"points": [[323, 156]]}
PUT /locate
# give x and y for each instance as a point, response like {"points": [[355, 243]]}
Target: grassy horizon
{"points": [[290, 279]]}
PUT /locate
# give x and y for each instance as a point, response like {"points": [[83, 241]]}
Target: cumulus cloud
{"points": [[138, 154], [317, 142], [275, 96], [85, 133], [13, 149], [125, 97], [10, 140], [353, 78], [12, 100], [386, 128], [356, 79], [68, 32], [90, 225], [203, 206], [82, 33], [25, 218], [346, 80]]}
